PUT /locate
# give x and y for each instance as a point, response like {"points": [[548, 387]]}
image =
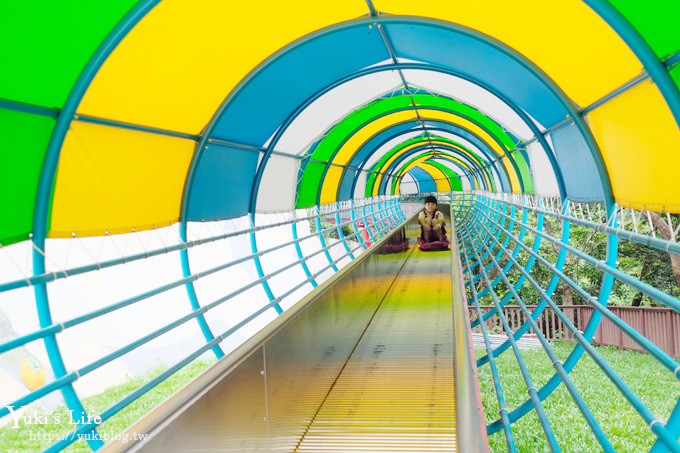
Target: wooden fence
{"points": [[661, 326]]}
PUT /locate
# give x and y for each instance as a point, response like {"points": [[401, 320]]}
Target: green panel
{"points": [[524, 171], [675, 73], [24, 138], [309, 187], [338, 134], [449, 105], [352, 122], [378, 167], [658, 21], [454, 178], [45, 45]]}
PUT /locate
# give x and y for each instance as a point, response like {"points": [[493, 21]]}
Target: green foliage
{"points": [[649, 265], [37, 437], [347, 230]]}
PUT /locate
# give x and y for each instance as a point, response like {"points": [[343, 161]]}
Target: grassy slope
{"points": [[626, 430], [30, 438]]}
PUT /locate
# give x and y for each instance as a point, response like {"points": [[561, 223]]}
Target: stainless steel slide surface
{"points": [[364, 364], [396, 392]]}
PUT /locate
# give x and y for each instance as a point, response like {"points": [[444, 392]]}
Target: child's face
{"points": [[430, 207]]}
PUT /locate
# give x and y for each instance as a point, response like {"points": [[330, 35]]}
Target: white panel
{"points": [[408, 185], [545, 182], [277, 189], [465, 143], [360, 189], [463, 176], [379, 152], [470, 94], [334, 106]]}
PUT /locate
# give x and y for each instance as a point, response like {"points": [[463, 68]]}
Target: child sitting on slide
{"points": [[432, 221]]}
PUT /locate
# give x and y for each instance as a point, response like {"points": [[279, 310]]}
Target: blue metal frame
{"points": [[403, 109], [491, 157], [480, 225], [470, 172], [43, 196], [473, 167], [655, 67]]}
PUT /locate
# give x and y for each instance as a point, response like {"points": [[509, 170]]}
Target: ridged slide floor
{"points": [[396, 391]]}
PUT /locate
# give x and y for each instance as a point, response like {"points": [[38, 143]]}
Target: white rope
{"points": [[80, 242], [68, 252], [590, 216], [127, 244], [48, 259], [651, 224], [670, 226], [160, 238], [139, 240], [21, 271]]}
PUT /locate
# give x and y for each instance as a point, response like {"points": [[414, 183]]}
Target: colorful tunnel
{"points": [[135, 115], [120, 131]]}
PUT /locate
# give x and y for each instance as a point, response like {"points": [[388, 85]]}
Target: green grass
{"points": [[37, 437], [624, 427]]}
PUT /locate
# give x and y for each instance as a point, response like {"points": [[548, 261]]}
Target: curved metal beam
{"points": [[430, 128], [409, 153], [44, 191], [641, 48], [422, 118], [474, 165]]}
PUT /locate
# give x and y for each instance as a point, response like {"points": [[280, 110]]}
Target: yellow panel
{"points": [[116, 179], [331, 182], [329, 189], [437, 175], [639, 141], [379, 176], [566, 39], [484, 136], [389, 162], [440, 179], [178, 64], [465, 164], [351, 146]]}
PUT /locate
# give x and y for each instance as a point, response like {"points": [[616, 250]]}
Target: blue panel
{"points": [[363, 153], [425, 181], [483, 147], [398, 162], [440, 46], [266, 101], [222, 184], [577, 165], [380, 139], [347, 182]]}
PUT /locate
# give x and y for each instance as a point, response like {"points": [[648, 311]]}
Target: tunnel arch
{"points": [[112, 145]]}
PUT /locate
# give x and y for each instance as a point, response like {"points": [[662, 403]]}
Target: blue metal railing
{"points": [[384, 215], [487, 238]]}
